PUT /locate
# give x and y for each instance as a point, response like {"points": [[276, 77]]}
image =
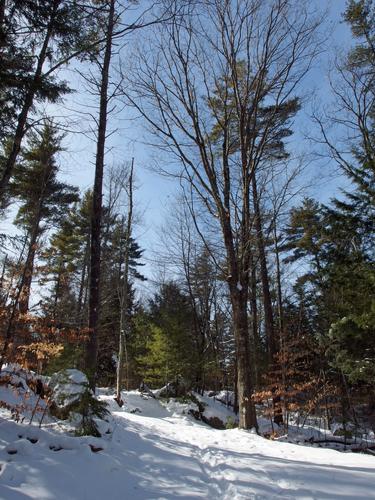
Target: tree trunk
{"points": [[120, 360], [96, 216], [3, 274], [235, 385], [238, 281], [278, 281], [279, 418], [247, 414], [267, 303], [124, 296], [21, 299], [28, 273], [254, 321], [81, 300], [57, 290]]}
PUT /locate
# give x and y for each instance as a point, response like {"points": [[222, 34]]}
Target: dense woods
{"points": [[262, 289]]}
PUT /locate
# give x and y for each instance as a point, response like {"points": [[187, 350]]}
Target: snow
{"points": [[213, 408], [17, 394], [68, 385], [176, 408], [151, 451], [226, 397]]}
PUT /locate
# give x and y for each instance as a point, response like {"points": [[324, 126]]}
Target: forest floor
{"points": [[151, 451]]}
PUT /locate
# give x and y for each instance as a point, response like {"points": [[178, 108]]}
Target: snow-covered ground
{"points": [[153, 451]]}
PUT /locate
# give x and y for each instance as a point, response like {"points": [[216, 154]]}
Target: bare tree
{"points": [[190, 90], [124, 289], [114, 30], [346, 128], [190, 262]]}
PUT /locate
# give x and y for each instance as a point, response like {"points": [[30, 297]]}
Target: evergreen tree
{"points": [[157, 365], [111, 299], [337, 288], [170, 353], [350, 222], [16, 65], [36, 38], [61, 268], [66, 263], [43, 198]]}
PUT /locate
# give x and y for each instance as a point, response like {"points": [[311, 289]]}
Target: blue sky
{"points": [[155, 193]]}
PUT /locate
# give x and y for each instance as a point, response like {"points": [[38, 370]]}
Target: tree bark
{"points": [[247, 414], [97, 208], [278, 282], [83, 285], [124, 295], [267, 303], [3, 273], [28, 273], [254, 320], [57, 291], [272, 344]]}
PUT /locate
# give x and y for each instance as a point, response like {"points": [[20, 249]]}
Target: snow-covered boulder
{"points": [[225, 397], [67, 388], [172, 389], [145, 390], [214, 412]]}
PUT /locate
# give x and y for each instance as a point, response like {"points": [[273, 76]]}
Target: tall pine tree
{"points": [[43, 198]]}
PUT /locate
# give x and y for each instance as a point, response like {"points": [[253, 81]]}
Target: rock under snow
{"points": [[67, 388]]}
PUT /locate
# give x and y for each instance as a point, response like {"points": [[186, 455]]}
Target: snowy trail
{"points": [[158, 455], [234, 464]]}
